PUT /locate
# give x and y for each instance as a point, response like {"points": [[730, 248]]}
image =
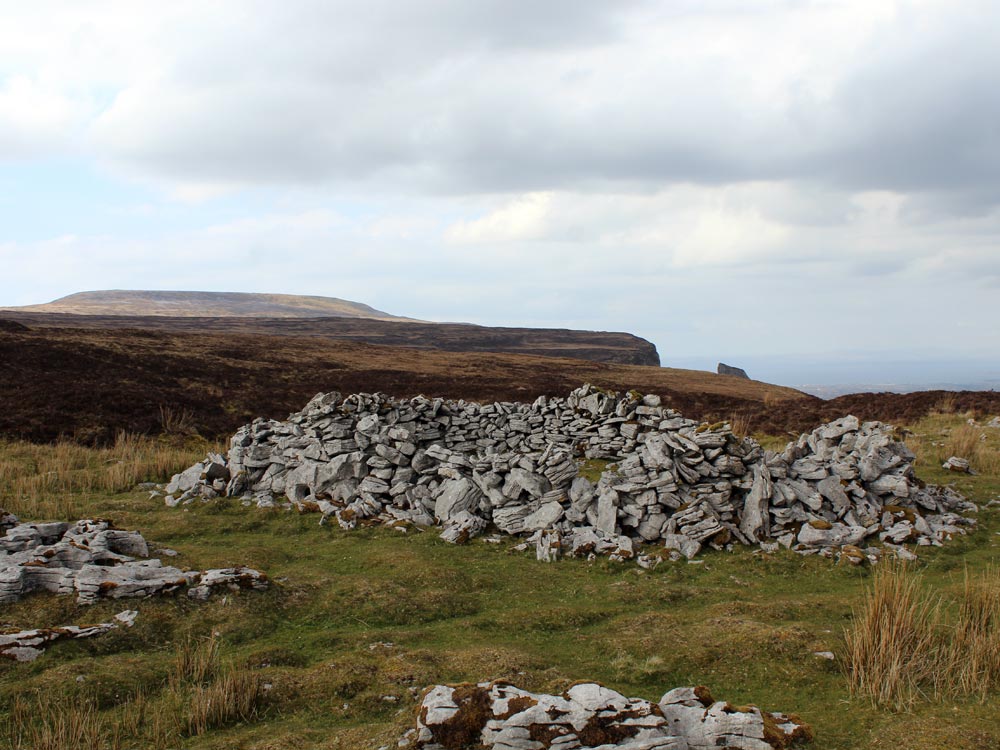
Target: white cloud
{"points": [[34, 119], [523, 218]]}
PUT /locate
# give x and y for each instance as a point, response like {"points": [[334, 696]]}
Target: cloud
{"points": [[453, 97], [34, 119], [521, 219]]}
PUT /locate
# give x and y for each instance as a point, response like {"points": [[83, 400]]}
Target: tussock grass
{"points": [[59, 725], [964, 441], [946, 404], [177, 421], [213, 693], [902, 648], [973, 653], [46, 481], [891, 651], [235, 696], [937, 438], [196, 662], [200, 692], [739, 423]]}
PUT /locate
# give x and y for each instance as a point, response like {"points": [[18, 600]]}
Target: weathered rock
{"points": [[463, 526], [682, 544], [28, 645], [500, 716], [960, 465], [738, 372], [707, 724], [208, 582], [96, 561], [456, 496]]}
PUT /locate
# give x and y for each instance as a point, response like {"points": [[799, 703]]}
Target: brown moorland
{"points": [[91, 384], [598, 346]]}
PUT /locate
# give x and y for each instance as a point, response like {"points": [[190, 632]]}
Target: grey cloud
{"points": [[926, 116], [451, 96]]}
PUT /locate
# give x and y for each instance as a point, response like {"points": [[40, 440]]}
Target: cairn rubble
{"points": [[668, 480], [96, 561], [499, 716]]}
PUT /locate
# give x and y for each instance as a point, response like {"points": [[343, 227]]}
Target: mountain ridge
{"points": [[196, 304]]}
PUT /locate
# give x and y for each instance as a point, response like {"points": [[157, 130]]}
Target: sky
{"points": [[808, 189]]}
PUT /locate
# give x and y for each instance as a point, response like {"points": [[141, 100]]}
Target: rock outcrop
{"points": [[499, 716], [94, 560], [28, 645], [737, 372], [369, 458]]}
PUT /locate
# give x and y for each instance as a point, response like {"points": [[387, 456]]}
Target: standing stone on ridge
{"points": [[737, 372]]}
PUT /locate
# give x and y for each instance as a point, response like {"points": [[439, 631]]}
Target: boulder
{"points": [[737, 372]]}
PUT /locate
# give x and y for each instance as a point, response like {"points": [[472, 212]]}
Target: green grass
{"points": [[745, 625]]}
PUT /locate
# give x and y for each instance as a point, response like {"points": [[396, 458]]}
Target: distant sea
{"points": [[842, 389], [833, 374]]}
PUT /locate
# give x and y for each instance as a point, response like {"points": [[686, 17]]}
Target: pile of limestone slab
{"points": [[28, 645], [500, 716], [94, 560], [515, 467]]}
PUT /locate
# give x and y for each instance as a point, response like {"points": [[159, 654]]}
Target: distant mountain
{"points": [[206, 305], [320, 317]]}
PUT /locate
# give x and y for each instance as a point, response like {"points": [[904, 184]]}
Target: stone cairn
{"points": [[371, 458], [96, 561], [500, 716]]}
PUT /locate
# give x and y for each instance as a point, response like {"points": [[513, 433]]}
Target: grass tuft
{"points": [[59, 725], [739, 423], [236, 695], [973, 656], [891, 648], [196, 662], [902, 650]]}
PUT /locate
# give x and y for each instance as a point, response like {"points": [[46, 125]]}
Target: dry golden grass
{"points": [[63, 725], [201, 692], [739, 423], [212, 693], [177, 421], [196, 662], [937, 438], [46, 481], [946, 405], [964, 441], [902, 649], [891, 648], [973, 654], [236, 695]]}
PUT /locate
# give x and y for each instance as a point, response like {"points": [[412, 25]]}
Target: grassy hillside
{"points": [[357, 622]]}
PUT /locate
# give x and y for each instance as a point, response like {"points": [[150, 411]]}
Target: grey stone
{"points": [[682, 544], [455, 496], [738, 372]]}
